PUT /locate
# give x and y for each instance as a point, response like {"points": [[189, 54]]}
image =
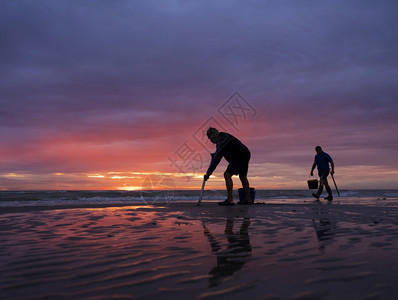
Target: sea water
{"points": [[151, 197]]}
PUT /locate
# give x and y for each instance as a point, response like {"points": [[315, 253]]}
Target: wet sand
{"points": [[179, 251]]}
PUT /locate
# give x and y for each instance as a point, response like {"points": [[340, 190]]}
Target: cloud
{"points": [[85, 82]]}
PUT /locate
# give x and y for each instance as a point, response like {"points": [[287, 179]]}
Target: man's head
{"points": [[212, 134], [318, 149]]}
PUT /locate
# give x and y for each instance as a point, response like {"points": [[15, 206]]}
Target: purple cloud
{"points": [[151, 72]]}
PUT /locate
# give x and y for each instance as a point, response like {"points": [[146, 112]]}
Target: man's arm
{"points": [[312, 169], [331, 164], [216, 158]]}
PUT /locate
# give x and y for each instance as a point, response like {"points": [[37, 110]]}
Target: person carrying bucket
{"points": [[321, 161], [238, 156]]}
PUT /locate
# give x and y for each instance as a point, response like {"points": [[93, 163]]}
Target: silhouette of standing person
{"points": [[321, 162], [238, 156]]}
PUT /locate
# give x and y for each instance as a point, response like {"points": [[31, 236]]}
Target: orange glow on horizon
{"points": [[269, 177]]}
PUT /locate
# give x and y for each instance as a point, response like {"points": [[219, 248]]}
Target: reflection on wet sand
{"points": [[325, 227], [233, 257]]}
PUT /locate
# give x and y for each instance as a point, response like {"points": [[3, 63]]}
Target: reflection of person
{"points": [[321, 161], [325, 230], [231, 259], [238, 156]]}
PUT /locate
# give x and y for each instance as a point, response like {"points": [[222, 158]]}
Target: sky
{"points": [[98, 95]]}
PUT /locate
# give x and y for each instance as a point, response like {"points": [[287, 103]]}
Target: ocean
{"points": [[153, 197]]}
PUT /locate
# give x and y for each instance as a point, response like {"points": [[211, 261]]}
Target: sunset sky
{"points": [[117, 94]]}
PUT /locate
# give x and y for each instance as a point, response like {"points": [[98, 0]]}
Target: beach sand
{"points": [[304, 250]]}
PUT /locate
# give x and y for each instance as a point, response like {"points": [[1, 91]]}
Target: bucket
{"points": [[312, 184], [242, 194]]}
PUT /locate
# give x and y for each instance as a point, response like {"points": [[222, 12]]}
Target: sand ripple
{"points": [[261, 252]]}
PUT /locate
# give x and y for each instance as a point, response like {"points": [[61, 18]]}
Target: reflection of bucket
{"points": [[312, 184], [242, 194]]}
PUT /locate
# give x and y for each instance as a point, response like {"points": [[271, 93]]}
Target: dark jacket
{"points": [[230, 148]]}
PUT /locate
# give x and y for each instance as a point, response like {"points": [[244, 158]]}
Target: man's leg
{"points": [[329, 190], [322, 181], [320, 189], [229, 184], [321, 185], [246, 189]]}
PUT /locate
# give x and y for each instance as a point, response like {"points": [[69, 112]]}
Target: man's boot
{"points": [[330, 196], [319, 192]]}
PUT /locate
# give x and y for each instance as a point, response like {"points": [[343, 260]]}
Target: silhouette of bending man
{"points": [[238, 156]]}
